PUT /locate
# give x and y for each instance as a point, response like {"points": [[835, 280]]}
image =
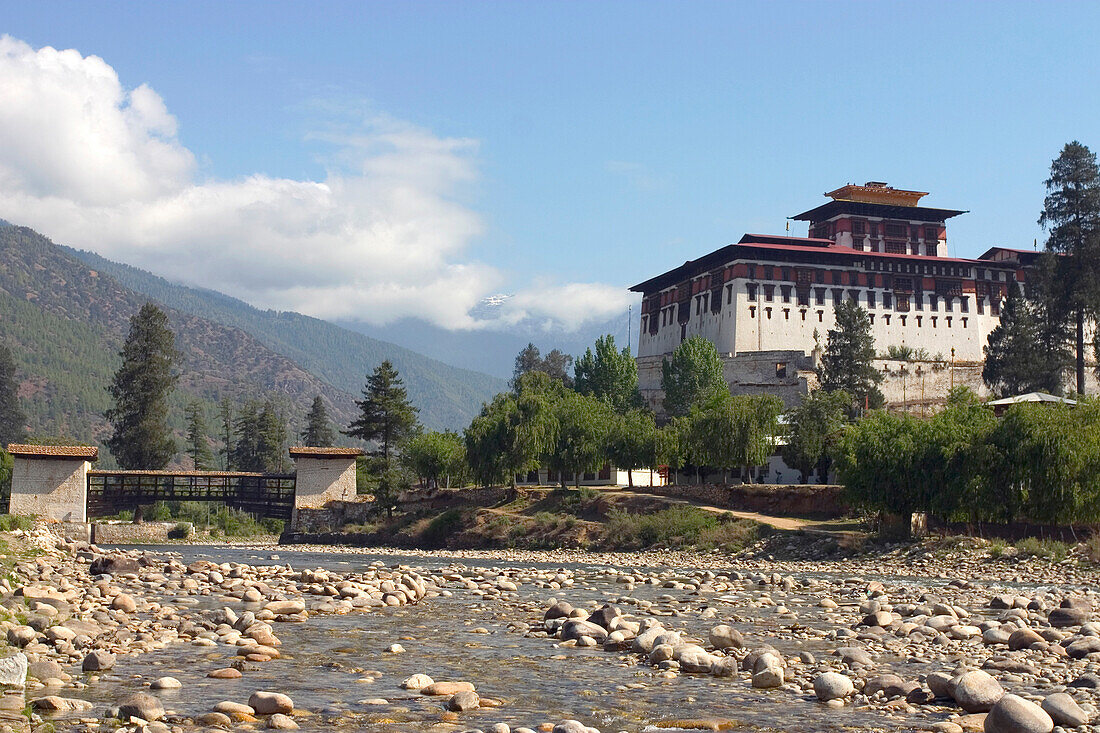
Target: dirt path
{"points": [[787, 523]]}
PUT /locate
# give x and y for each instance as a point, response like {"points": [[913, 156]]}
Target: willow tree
{"points": [[580, 435], [632, 442], [514, 431], [727, 431], [692, 373]]}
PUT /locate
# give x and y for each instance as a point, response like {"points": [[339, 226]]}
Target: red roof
{"points": [[83, 452], [842, 249]]}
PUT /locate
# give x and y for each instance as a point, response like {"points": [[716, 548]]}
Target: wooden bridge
{"points": [[261, 494], [57, 482]]}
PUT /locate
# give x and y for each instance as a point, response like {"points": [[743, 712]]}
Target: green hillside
{"points": [[448, 397], [65, 319]]}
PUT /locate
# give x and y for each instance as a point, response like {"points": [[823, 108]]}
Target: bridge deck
{"points": [[263, 494]]}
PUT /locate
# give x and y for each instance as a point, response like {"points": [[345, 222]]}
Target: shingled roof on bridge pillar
{"points": [[51, 480], [323, 475]]}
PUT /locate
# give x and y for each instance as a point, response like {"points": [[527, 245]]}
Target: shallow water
{"points": [[324, 660]]}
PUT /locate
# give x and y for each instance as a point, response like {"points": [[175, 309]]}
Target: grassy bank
{"points": [[574, 518]]}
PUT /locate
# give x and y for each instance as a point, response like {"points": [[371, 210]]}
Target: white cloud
{"points": [[384, 236]]}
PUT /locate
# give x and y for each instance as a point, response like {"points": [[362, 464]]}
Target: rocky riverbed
{"points": [[185, 639]]}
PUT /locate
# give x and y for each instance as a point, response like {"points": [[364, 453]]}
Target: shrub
{"points": [[443, 526], [9, 522], [181, 531], [1052, 550], [997, 549], [677, 526]]}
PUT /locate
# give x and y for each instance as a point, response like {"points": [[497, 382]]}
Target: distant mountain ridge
{"points": [[65, 314], [448, 396]]}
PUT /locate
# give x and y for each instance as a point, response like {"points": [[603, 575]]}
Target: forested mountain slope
{"points": [[448, 397]]}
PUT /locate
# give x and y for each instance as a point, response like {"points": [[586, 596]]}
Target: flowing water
{"points": [[325, 660]]}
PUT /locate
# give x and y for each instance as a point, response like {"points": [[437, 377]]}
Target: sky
{"points": [[380, 161]]}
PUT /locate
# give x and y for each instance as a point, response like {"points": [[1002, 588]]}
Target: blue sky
{"points": [[588, 143]]}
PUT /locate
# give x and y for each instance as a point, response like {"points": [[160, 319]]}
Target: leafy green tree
{"points": [[847, 363], [875, 462], [555, 365], [693, 372], [632, 442], [728, 431], [140, 390], [13, 422], [386, 416], [814, 428], [609, 375], [198, 445], [670, 446], [391, 482], [514, 431], [318, 431], [1071, 215], [434, 455], [581, 427]]}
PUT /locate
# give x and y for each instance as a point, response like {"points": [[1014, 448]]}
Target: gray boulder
{"points": [[832, 686], [977, 691], [1064, 710], [141, 706], [1014, 714]]}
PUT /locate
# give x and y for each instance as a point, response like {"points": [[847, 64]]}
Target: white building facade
{"points": [[767, 302]]}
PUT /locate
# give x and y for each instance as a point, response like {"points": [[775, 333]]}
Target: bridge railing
{"points": [[263, 494]]}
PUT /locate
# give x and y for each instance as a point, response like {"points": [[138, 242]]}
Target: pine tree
{"points": [[386, 417], [198, 446], [848, 361], [1017, 358], [225, 417], [318, 431], [140, 389], [693, 372], [13, 422], [609, 375], [261, 438], [1071, 213]]}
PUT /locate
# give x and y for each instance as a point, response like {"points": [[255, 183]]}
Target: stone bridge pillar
{"points": [[51, 480], [322, 475]]}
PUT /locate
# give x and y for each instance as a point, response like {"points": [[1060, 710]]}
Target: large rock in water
{"points": [[113, 565], [141, 706], [1062, 617], [269, 703], [832, 686], [726, 637], [98, 660], [977, 691], [13, 669], [1014, 714]]}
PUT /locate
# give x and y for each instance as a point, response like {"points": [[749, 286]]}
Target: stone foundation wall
{"points": [[801, 500]]}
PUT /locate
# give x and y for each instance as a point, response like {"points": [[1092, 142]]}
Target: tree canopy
{"points": [[847, 363], [555, 364], [609, 375], [693, 372], [632, 442], [261, 435], [386, 416], [1071, 216], [815, 427], [140, 438], [13, 422], [436, 455], [318, 431], [198, 442], [1018, 357]]}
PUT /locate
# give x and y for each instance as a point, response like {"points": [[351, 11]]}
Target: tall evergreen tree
{"points": [[225, 417], [848, 360], [693, 372], [261, 438], [198, 445], [140, 389], [1017, 357], [13, 422], [1071, 214], [318, 431], [386, 417], [609, 375]]}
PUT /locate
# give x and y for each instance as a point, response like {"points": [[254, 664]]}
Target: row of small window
{"points": [[902, 319], [775, 272], [888, 299]]}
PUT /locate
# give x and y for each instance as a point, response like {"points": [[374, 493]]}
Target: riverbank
{"points": [[526, 639]]}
